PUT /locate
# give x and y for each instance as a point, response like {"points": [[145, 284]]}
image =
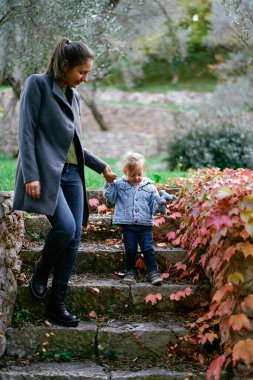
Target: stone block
{"points": [[137, 340], [84, 370], [29, 341]]}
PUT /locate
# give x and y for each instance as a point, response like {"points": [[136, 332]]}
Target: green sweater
{"points": [[71, 156]]}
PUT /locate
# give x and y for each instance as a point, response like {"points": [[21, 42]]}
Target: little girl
{"points": [[136, 199]]}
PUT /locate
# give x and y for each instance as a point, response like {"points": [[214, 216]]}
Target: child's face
{"points": [[135, 176]]}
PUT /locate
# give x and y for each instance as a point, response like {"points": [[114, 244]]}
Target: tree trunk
{"points": [[89, 99], [16, 85]]}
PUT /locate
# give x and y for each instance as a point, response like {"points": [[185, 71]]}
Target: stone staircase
{"points": [[120, 335]]}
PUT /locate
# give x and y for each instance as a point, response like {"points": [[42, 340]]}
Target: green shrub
{"points": [[213, 141]]}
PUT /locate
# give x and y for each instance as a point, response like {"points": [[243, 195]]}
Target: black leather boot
{"points": [[56, 309], [38, 282]]}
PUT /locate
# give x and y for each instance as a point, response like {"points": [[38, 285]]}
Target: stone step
{"points": [[101, 257], [109, 296], [113, 339], [100, 227], [88, 370]]}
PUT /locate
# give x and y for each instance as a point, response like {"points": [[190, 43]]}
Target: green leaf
{"points": [[235, 278]]}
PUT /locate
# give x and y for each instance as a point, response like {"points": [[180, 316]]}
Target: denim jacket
{"points": [[133, 204]]}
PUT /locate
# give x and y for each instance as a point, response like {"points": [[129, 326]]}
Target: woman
{"points": [[50, 176]]}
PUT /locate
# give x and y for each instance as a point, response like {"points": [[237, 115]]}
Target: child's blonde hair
{"points": [[131, 160]]}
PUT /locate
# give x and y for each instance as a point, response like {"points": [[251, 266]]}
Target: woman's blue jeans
{"points": [[142, 235], [63, 239]]}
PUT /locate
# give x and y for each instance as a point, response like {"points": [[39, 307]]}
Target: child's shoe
{"points": [[154, 278], [129, 278]]}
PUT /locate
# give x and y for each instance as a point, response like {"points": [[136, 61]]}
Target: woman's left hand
{"points": [[109, 175]]}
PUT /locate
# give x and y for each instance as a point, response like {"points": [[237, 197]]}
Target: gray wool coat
{"points": [[47, 124]]}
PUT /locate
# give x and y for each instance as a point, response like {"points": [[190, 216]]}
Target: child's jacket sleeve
{"points": [[110, 191]]}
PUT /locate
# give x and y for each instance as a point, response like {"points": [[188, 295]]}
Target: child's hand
{"points": [[109, 175]]}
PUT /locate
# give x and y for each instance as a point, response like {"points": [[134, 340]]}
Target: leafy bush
{"points": [[211, 140], [217, 232]]}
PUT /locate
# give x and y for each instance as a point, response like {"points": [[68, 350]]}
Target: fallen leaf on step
{"points": [[95, 290], [93, 314], [161, 245]]}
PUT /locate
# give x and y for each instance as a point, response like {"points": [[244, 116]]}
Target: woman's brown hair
{"points": [[74, 52]]}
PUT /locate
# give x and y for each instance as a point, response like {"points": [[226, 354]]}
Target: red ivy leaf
{"points": [[135, 335], [225, 308], [175, 215], [218, 221], [247, 302], [153, 298], [194, 212], [239, 321], [140, 264], [246, 248], [171, 235], [243, 350], [159, 221], [181, 293], [221, 292], [229, 253], [93, 202], [102, 208], [210, 337], [215, 368], [177, 241], [180, 265]]}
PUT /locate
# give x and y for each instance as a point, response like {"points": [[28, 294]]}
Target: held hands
{"points": [[33, 189], [109, 175]]}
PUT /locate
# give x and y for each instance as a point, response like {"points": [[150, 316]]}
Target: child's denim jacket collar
{"points": [[127, 185]]}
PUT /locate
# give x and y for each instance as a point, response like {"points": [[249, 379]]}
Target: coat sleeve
{"points": [[28, 122], [93, 162], [110, 191]]}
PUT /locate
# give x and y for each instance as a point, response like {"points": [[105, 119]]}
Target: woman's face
{"points": [[78, 74]]}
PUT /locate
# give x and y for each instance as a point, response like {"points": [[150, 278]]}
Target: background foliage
{"points": [[216, 209], [223, 140]]}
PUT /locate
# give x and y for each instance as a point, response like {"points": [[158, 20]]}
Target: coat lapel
{"points": [[60, 94]]}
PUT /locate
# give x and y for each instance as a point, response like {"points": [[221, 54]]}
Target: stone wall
{"points": [[139, 121], [11, 238], [136, 122]]}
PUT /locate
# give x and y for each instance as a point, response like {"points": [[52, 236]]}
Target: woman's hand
{"points": [[33, 189], [109, 175]]}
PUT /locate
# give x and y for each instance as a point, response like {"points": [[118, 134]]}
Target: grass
{"points": [[207, 85], [5, 87], [168, 106], [187, 85], [7, 173], [156, 170]]}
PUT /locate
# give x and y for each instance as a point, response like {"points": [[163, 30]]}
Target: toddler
{"points": [[136, 199]]}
